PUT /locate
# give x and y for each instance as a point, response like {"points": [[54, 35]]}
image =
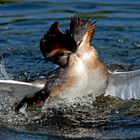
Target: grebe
{"points": [[82, 31], [125, 85], [67, 81]]}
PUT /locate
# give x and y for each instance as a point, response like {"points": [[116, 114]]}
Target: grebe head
{"points": [[56, 46]]}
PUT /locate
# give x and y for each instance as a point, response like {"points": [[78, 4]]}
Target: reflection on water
{"points": [[22, 24]]}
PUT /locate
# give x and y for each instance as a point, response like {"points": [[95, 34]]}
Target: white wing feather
{"points": [[19, 88], [124, 85]]}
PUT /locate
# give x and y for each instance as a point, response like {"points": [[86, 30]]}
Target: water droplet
{"points": [[23, 109]]}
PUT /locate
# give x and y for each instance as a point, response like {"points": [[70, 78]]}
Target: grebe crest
{"points": [[57, 46], [82, 30]]}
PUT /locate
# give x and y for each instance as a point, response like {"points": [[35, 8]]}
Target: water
{"points": [[23, 23]]}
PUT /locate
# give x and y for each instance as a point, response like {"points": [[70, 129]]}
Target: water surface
{"points": [[23, 23]]}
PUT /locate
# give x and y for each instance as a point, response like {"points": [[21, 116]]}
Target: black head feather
{"points": [[56, 46], [79, 27]]}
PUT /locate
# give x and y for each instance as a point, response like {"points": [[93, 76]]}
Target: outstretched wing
{"points": [[125, 85], [18, 88]]}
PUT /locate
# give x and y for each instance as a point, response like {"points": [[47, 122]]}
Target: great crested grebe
{"points": [[70, 79], [82, 30], [81, 70], [125, 85]]}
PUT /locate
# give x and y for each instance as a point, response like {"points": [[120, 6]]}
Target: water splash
{"points": [[3, 73]]}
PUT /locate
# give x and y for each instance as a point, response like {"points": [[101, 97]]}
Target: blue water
{"points": [[117, 39]]}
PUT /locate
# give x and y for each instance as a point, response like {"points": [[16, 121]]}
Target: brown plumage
{"points": [[82, 31]]}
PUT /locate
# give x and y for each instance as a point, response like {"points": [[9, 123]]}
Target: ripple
{"points": [[22, 24]]}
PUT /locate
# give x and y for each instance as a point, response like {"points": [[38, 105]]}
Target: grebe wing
{"points": [[125, 85], [18, 88]]}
